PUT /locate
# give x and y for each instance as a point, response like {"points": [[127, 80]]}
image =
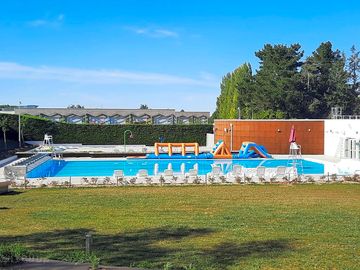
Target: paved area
{"points": [[79, 148], [58, 265]]}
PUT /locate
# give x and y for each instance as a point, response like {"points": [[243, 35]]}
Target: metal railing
{"points": [[345, 117]]}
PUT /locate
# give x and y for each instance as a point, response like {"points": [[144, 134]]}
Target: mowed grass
{"points": [[192, 227]]}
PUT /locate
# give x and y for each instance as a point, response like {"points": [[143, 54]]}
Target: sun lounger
{"points": [[280, 173], [119, 177], [192, 177], [236, 174], [142, 177], [215, 175], [258, 175], [169, 177]]}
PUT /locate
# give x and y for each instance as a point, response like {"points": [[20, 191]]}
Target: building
{"points": [[337, 138], [273, 134], [117, 116], [10, 108]]}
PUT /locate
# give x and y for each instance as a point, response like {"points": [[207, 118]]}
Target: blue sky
{"points": [[166, 54]]}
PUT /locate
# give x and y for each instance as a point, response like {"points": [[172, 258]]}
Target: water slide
{"points": [[252, 150]]}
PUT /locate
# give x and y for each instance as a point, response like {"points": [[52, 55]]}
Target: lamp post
{"points": [[19, 121], [131, 135], [239, 113]]}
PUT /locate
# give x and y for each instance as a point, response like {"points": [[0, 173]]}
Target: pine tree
{"points": [[326, 82], [354, 68], [276, 93]]}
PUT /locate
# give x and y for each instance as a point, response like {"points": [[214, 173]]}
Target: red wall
{"points": [[273, 134]]}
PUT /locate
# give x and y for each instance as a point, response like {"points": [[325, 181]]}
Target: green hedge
{"points": [[34, 129]]}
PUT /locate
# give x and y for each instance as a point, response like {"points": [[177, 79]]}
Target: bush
{"points": [[83, 257], [34, 129], [11, 254]]}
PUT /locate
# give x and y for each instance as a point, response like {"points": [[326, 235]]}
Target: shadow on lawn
{"points": [[11, 192], [141, 248]]}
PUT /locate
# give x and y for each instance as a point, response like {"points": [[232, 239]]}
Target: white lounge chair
{"points": [[169, 177], [215, 174], [119, 177], [142, 177], [236, 174], [259, 175], [280, 173], [192, 177]]}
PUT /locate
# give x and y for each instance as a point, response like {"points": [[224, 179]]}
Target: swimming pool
{"points": [[63, 168]]}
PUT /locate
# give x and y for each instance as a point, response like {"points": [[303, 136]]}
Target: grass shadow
{"points": [[229, 253], [11, 193], [141, 248]]}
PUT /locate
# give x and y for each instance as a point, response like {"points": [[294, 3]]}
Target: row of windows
{"points": [[119, 120]]}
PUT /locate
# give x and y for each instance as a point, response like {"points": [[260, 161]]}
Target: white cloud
{"points": [[9, 70], [53, 22], [153, 32]]}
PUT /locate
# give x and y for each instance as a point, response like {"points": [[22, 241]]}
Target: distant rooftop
{"points": [[108, 112], [12, 107]]}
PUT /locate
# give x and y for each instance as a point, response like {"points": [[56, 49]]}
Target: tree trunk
{"points": [[5, 140]]}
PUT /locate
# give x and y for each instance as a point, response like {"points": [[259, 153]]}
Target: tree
{"points": [[285, 87], [354, 71], [235, 91], [144, 107], [354, 68], [4, 127], [276, 94], [78, 106], [326, 82], [342, 94]]}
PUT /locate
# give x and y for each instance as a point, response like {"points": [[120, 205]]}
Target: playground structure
{"points": [[252, 150], [170, 146], [219, 151]]}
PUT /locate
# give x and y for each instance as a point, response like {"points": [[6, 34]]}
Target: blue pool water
{"points": [[62, 168]]}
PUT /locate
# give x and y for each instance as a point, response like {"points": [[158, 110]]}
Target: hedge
{"points": [[34, 129]]}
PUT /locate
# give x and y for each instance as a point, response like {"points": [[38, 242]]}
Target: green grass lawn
{"points": [[192, 227]]}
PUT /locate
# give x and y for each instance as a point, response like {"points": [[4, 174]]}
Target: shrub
{"points": [[83, 257], [238, 179], [54, 183], [35, 127], [247, 179], [223, 179], [310, 179], [333, 177], [67, 183], [347, 178], [197, 180], [11, 254], [107, 181], [93, 180], [94, 261]]}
